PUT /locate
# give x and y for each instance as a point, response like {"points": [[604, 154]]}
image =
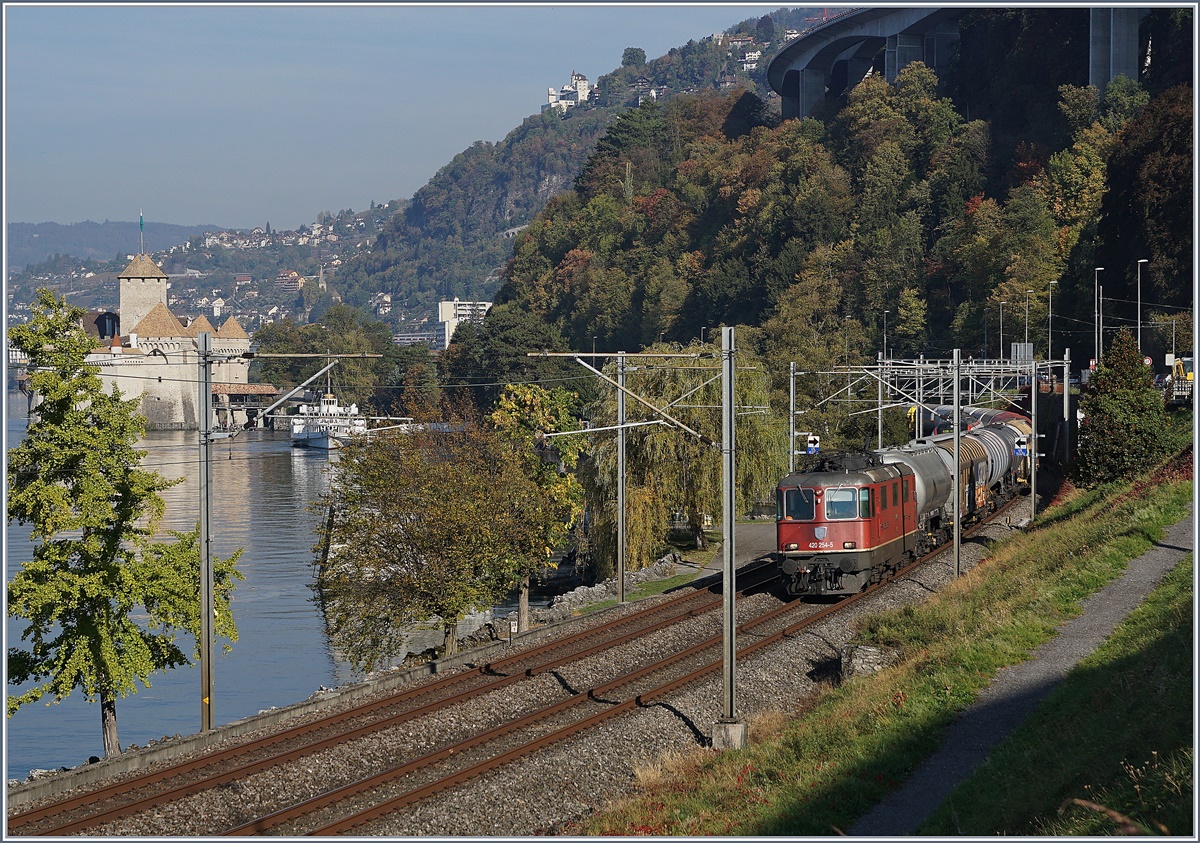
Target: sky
{"points": [[237, 115]]}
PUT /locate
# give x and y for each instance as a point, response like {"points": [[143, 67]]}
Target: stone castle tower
{"points": [[143, 285]]}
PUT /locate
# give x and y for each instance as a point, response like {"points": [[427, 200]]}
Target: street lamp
{"points": [[1050, 325], [1139, 265], [885, 313], [1002, 329], [1027, 292], [1096, 313], [702, 330]]}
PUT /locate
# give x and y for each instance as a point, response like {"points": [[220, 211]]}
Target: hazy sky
{"points": [[238, 116]]}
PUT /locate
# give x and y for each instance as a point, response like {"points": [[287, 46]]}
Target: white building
{"points": [[451, 314], [577, 91], [157, 356]]}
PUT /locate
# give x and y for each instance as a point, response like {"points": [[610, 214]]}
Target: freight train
{"points": [[850, 520]]}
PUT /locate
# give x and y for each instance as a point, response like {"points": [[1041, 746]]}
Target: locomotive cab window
{"points": [[864, 503], [795, 505], [841, 503]]}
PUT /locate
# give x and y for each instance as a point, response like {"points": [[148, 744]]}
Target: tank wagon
{"points": [[850, 520]]}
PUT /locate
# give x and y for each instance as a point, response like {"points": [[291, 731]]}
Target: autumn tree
{"points": [[104, 603], [1125, 429], [523, 416], [424, 524]]}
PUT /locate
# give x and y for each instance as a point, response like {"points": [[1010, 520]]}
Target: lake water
{"points": [[262, 490]]}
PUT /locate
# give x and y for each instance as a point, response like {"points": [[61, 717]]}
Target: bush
{"points": [[1125, 429]]}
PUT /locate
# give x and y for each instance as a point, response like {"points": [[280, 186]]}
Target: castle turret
{"points": [[143, 285]]}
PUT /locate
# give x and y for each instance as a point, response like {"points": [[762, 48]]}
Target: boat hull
{"points": [[323, 441]]}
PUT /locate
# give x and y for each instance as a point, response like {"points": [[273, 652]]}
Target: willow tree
{"points": [[95, 573], [670, 470]]}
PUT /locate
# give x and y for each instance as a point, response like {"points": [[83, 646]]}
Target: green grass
{"points": [[642, 590], [1117, 733], [817, 772]]}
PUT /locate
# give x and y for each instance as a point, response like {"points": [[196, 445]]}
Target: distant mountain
{"points": [[30, 243]]}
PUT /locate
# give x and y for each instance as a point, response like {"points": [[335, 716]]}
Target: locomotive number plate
{"points": [[820, 545]]}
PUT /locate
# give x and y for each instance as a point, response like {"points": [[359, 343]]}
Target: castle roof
{"points": [[160, 322], [200, 325], [231, 330], [142, 266]]}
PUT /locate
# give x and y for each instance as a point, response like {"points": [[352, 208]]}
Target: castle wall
{"points": [[165, 376]]}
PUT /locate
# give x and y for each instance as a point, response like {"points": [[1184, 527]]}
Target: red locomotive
{"points": [[850, 520]]}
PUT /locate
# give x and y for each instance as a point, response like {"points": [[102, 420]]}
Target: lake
{"points": [[262, 491]]}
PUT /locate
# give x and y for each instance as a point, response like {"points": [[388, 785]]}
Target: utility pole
{"points": [[1139, 286], [791, 417], [1066, 406], [1034, 390], [879, 400], [958, 497], [207, 604], [729, 732], [204, 409], [621, 475]]}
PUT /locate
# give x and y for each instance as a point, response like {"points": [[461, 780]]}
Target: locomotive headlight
{"points": [[791, 546], [849, 545]]}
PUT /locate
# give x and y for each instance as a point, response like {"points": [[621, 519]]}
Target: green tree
{"points": [[1125, 428], [633, 57], [808, 328], [341, 330], [75, 478], [481, 359], [424, 524], [765, 29], [523, 414]]}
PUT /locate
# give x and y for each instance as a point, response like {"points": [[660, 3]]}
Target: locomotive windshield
{"points": [[794, 505], [841, 503]]}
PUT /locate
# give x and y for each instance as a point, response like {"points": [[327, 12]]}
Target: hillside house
{"points": [[579, 90]]}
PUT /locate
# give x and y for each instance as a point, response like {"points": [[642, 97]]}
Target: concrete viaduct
{"points": [[834, 56]]}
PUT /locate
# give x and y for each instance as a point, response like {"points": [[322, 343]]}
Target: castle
{"points": [[145, 349]]}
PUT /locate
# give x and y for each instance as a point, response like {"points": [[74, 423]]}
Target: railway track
{"points": [[354, 805], [148, 791], [669, 674]]}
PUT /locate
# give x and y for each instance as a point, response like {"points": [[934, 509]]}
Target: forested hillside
{"points": [[896, 208], [450, 240]]}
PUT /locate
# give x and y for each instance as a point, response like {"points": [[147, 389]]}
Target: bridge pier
{"points": [[902, 50], [1113, 45]]}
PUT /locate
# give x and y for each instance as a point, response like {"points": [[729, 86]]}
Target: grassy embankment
{"points": [[1118, 733]]}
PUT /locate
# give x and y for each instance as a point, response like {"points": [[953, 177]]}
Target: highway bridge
{"points": [[832, 57]]}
